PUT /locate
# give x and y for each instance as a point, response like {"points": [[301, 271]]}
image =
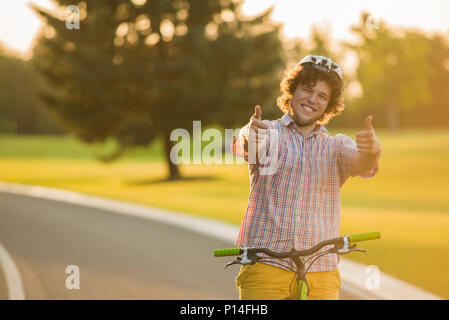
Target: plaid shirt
{"points": [[299, 205]]}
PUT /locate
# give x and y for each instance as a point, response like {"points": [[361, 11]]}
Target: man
{"points": [[298, 204]]}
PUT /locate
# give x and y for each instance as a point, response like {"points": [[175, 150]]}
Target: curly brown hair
{"points": [[307, 74]]}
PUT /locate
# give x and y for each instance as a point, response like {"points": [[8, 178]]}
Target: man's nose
{"points": [[313, 97]]}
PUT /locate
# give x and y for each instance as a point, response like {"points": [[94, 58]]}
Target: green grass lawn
{"points": [[68, 147], [408, 200]]}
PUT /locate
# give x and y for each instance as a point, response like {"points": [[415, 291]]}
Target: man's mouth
{"points": [[307, 108]]}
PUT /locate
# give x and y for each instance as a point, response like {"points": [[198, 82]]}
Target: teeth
{"points": [[308, 109]]}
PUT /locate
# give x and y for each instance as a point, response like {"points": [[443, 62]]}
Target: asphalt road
{"points": [[119, 257]]}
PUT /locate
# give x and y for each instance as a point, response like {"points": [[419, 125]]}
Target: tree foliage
{"points": [[136, 70], [21, 110], [403, 75]]}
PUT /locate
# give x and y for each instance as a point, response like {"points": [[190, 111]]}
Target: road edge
{"points": [[12, 275], [354, 275]]}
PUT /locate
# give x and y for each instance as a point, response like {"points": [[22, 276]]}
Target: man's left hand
{"points": [[367, 141]]}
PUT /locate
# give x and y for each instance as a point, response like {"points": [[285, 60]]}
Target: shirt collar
{"points": [[286, 120]]}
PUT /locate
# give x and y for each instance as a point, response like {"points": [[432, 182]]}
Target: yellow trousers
{"points": [[265, 282]]}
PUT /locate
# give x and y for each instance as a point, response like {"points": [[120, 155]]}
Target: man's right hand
{"points": [[256, 132]]}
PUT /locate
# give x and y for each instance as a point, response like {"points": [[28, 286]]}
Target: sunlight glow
{"points": [[19, 24]]}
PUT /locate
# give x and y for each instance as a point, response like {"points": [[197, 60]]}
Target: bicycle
{"points": [[342, 245]]}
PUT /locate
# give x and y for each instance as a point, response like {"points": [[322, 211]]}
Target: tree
{"points": [[321, 42], [395, 71], [137, 70], [437, 112], [21, 111]]}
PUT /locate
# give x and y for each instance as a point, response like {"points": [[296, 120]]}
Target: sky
{"points": [[19, 25]]}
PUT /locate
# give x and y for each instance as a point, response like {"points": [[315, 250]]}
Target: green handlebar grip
{"points": [[227, 252], [364, 236]]}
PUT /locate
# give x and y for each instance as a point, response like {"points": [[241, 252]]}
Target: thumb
{"points": [[368, 125], [258, 112]]}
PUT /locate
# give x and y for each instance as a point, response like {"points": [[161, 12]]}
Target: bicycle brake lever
{"points": [[361, 250], [236, 261], [352, 249], [244, 260]]}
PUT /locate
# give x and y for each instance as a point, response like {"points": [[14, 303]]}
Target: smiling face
{"points": [[309, 102]]}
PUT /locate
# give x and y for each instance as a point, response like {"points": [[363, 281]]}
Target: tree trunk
{"points": [[173, 169]]}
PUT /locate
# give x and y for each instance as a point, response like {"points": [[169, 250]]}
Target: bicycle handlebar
{"points": [[353, 238], [227, 252], [364, 236]]}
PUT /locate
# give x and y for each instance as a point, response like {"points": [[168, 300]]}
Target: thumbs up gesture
{"points": [[367, 141], [255, 135], [256, 123]]}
